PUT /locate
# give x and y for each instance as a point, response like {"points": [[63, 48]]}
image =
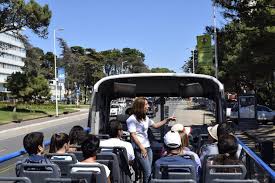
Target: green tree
{"points": [[16, 83], [161, 70], [16, 14]]}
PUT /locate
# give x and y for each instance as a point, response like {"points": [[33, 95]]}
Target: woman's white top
{"points": [[141, 129]]}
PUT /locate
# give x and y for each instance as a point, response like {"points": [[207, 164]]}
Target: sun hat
{"points": [[172, 139], [212, 130]]}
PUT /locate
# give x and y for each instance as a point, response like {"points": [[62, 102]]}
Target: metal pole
{"points": [[215, 40], [193, 61], [55, 75]]}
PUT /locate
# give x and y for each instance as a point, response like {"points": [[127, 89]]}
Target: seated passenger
{"points": [[226, 128], [33, 144], [90, 147], [185, 143], [212, 148], [172, 144], [60, 145], [228, 147], [215, 133], [76, 137], [116, 133]]}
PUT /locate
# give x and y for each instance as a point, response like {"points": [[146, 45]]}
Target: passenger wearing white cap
{"points": [[212, 147], [172, 143], [185, 142]]}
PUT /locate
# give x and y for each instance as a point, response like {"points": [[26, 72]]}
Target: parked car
{"points": [[264, 114], [115, 109]]}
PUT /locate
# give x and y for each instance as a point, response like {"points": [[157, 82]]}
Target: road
{"points": [[11, 135]]}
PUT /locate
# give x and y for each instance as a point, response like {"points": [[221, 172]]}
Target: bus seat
{"points": [[235, 181], [172, 181], [91, 176], [122, 119], [63, 161], [78, 155], [63, 180], [210, 173], [122, 157], [110, 159], [17, 179], [175, 172], [37, 172]]}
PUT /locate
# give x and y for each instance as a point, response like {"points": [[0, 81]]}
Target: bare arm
{"points": [[159, 124]]}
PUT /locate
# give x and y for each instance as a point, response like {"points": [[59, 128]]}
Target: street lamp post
{"points": [[122, 68], [55, 71]]}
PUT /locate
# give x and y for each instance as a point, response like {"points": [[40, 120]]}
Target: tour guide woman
{"points": [[138, 124]]}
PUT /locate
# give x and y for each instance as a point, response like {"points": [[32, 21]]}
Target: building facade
{"points": [[12, 54]]}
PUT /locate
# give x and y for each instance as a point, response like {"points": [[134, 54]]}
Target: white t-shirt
{"points": [[76, 169], [141, 128], [112, 142]]}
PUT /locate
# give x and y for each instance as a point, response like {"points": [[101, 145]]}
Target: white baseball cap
{"points": [[172, 139]]}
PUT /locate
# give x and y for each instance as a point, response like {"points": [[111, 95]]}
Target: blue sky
{"points": [[162, 29]]}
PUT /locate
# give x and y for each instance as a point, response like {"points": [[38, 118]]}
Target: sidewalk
{"points": [[39, 120]]}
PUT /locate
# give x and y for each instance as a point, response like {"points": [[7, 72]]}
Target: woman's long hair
{"points": [[57, 141], [138, 108]]}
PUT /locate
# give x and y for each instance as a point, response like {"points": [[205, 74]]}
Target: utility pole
{"points": [[215, 40]]}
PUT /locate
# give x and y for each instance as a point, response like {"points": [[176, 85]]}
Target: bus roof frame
{"points": [[151, 84]]}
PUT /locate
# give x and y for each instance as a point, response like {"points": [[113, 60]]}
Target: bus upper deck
{"points": [[196, 100]]}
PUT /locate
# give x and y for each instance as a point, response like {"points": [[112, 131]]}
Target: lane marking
{"points": [[2, 150]]}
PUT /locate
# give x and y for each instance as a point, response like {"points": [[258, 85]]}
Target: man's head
{"points": [[228, 144], [115, 129], [90, 146], [225, 128], [172, 140], [33, 143]]}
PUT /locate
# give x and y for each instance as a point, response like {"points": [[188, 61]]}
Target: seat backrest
{"points": [[235, 181], [212, 173], [110, 159], [63, 161], [19, 179], [37, 172], [64, 180], [78, 155], [172, 181], [175, 172], [92, 173], [122, 157]]}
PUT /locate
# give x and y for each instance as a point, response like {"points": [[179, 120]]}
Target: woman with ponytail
{"points": [[59, 143]]}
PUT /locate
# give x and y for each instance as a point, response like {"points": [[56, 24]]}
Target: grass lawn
{"points": [[32, 111]]}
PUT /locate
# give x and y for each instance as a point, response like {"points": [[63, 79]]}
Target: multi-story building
{"points": [[12, 53]]}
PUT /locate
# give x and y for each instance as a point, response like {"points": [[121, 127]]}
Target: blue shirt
{"points": [[31, 159], [176, 160]]}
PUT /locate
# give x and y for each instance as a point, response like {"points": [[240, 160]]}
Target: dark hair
{"points": [[115, 126], [228, 144], [225, 128], [31, 142], [57, 141], [138, 108], [76, 134], [90, 146]]}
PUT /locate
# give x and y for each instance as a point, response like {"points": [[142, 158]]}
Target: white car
{"points": [[264, 114], [115, 109]]}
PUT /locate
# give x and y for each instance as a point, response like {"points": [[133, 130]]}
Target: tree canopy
{"points": [[16, 14]]}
